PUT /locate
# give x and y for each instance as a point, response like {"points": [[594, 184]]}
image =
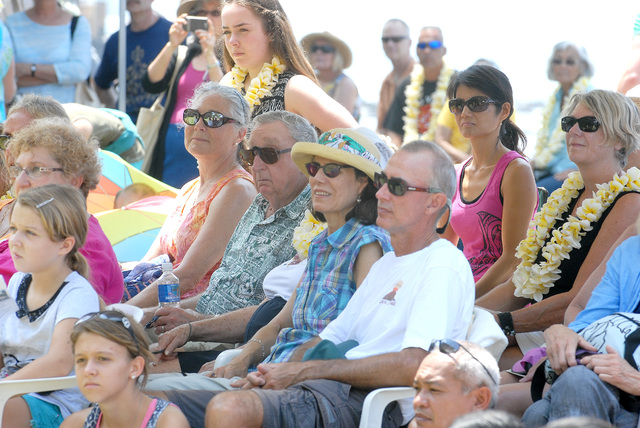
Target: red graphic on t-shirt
{"points": [[390, 298], [424, 118]]}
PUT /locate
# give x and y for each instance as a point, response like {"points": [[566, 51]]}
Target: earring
{"points": [[358, 200], [133, 376]]}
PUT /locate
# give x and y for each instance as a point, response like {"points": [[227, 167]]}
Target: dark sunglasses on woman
{"points": [[331, 170], [398, 187], [586, 124], [269, 155], [211, 119], [475, 104]]}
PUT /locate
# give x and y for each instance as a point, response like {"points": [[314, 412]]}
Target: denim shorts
{"points": [[43, 414]]}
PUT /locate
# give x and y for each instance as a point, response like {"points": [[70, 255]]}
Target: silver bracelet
{"points": [[264, 353]]}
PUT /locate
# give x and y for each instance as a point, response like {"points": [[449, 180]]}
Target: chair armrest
{"points": [[11, 388], [378, 400]]}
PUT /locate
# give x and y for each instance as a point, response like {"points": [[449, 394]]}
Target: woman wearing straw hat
{"points": [[329, 56], [340, 167]]}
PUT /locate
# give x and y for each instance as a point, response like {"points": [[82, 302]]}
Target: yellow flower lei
{"points": [[261, 85], [413, 95], [532, 279], [547, 147], [308, 229]]}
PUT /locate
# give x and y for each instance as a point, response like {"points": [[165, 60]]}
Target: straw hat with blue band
{"points": [[347, 146]]}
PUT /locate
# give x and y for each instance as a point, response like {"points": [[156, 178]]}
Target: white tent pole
{"points": [[122, 59]]}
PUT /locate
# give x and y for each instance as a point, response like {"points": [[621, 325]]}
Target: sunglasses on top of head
{"points": [[433, 44], [448, 346], [211, 119], [398, 187], [475, 104], [586, 123], [322, 48], [269, 155]]}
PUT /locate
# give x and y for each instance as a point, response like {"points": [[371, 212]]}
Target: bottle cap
{"points": [[167, 267]]}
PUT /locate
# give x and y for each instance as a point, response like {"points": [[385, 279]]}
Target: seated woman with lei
{"points": [[496, 193], [269, 67], [209, 207], [577, 226]]}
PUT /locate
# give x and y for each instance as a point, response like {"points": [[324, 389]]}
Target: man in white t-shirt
{"points": [[422, 291]]}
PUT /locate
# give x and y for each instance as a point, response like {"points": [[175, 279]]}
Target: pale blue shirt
{"points": [[51, 44]]}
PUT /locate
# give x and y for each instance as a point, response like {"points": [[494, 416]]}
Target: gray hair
{"points": [[472, 374], [238, 106], [39, 107], [299, 128], [442, 172], [618, 116], [586, 65]]}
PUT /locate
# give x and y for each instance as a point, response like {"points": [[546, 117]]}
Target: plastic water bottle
{"points": [[168, 287]]}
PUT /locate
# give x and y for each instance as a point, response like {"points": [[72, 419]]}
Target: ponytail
{"points": [[511, 136], [77, 262]]}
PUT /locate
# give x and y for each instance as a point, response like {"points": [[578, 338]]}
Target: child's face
{"points": [[32, 249], [103, 368]]}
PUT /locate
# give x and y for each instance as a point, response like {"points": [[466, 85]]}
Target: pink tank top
{"points": [[478, 223], [186, 84]]}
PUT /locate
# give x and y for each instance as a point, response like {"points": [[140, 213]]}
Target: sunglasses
{"points": [[331, 170], [448, 346], [211, 119], [323, 49], [269, 155], [114, 316], [212, 13], [586, 124], [397, 186], [394, 39], [475, 104], [569, 61], [32, 172], [433, 44], [4, 141]]}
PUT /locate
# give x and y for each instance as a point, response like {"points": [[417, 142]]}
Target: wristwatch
{"points": [[33, 70]]}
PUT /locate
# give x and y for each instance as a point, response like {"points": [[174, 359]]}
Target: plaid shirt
{"points": [[256, 246], [328, 283]]}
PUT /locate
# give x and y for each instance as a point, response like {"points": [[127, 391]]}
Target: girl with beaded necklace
{"points": [[269, 68], [49, 293]]}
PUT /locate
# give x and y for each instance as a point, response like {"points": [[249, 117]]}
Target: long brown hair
{"points": [[278, 28]]}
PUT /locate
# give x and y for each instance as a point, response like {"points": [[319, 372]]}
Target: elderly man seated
{"points": [[420, 292], [454, 379]]}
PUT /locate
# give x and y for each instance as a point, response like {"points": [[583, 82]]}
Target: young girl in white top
{"points": [[49, 293], [112, 355]]}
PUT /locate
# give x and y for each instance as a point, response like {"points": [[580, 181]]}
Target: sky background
{"points": [[517, 35]]}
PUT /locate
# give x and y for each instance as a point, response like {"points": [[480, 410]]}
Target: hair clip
{"points": [[42, 204]]}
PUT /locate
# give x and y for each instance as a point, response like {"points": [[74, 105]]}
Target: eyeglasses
{"points": [[331, 170], [322, 48], [32, 172], [114, 316], [212, 13], [4, 141], [448, 346], [586, 123], [269, 155], [475, 104], [211, 119], [394, 39], [433, 44], [398, 187], [569, 61]]}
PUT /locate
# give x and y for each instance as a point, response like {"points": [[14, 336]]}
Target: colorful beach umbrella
{"points": [[133, 228], [117, 174]]}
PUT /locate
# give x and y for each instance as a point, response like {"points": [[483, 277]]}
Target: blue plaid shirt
{"points": [[328, 284], [256, 246]]}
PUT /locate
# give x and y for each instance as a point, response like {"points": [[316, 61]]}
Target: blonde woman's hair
{"points": [[63, 212], [112, 328]]}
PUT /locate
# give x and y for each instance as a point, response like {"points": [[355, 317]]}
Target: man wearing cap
{"points": [[329, 56], [419, 99], [421, 291], [396, 44], [147, 33]]}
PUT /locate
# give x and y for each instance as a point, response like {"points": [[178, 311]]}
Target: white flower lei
{"points": [[532, 279], [308, 229], [261, 85], [413, 95], [547, 147]]}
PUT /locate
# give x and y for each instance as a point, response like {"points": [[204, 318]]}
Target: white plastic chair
{"points": [[11, 388]]}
